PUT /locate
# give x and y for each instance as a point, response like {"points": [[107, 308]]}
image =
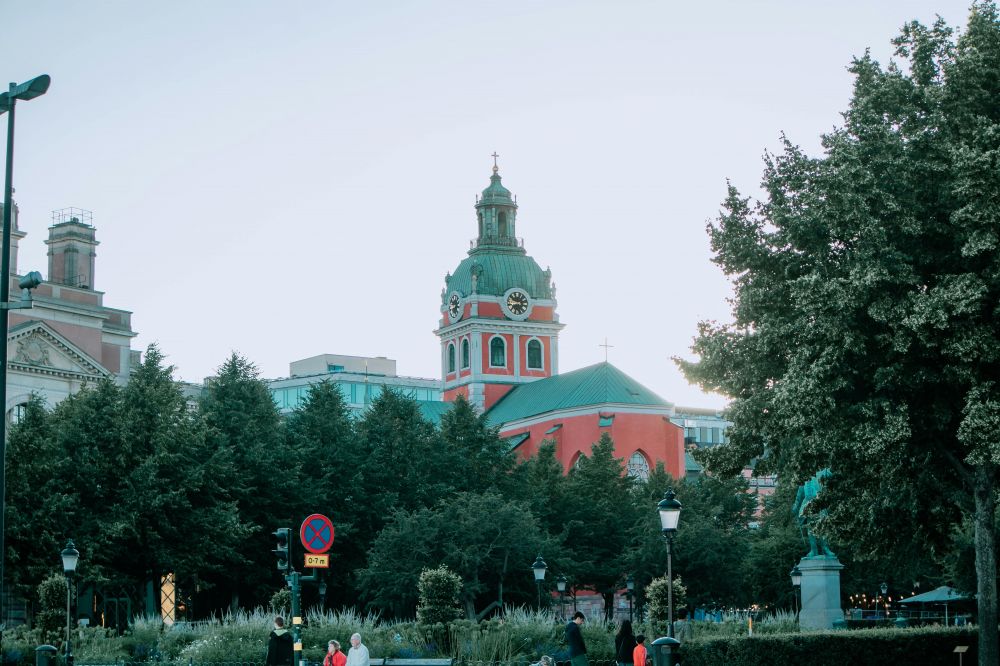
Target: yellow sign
{"points": [[314, 561]]}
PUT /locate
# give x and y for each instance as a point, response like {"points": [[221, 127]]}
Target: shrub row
{"points": [[931, 645]]}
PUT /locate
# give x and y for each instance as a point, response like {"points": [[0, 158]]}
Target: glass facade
{"points": [[356, 394]]}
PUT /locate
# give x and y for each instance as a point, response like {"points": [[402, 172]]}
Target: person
{"points": [[280, 650], [358, 654], [574, 641], [334, 657], [625, 644], [682, 627], [639, 653]]}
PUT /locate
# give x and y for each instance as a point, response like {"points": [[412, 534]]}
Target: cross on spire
{"points": [[606, 346], [495, 156]]}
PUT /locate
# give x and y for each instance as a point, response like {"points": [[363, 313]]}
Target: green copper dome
{"points": [[496, 193], [497, 271]]}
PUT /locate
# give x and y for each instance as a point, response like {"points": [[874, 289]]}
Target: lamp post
{"points": [[630, 586], [670, 514], [796, 583], [36, 87], [539, 568], [561, 586], [70, 557], [884, 588]]}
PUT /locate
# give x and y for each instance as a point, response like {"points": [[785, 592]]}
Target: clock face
{"points": [[517, 302], [454, 304]]}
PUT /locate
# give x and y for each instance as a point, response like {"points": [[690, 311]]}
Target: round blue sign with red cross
{"points": [[316, 533]]}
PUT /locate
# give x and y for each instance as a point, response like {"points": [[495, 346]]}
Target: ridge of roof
{"points": [[596, 384]]}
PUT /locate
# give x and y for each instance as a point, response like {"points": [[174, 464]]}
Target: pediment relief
{"points": [[39, 349]]}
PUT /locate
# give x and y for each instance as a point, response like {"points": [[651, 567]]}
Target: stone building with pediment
{"points": [[68, 338]]}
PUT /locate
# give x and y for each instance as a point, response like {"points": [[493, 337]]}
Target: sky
{"points": [[283, 180]]}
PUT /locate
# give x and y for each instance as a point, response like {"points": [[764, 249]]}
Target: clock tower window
{"points": [[498, 353], [465, 353], [534, 355], [451, 358]]}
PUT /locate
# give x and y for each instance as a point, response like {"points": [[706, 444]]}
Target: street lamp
{"points": [[630, 586], [539, 568], [670, 514], [70, 557], [884, 587], [796, 583], [27, 90], [561, 586]]}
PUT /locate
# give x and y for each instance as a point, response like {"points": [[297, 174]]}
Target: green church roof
{"points": [[433, 410], [497, 271], [495, 193], [594, 385]]}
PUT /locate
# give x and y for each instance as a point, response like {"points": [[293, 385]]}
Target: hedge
{"points": [[877, 647]]}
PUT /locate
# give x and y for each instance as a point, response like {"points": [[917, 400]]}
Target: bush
{"points": [[281, 602], [439, 596], [51, 618], [657, 603], [869, 647]]}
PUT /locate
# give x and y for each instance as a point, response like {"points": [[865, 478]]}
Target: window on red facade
{"points": [[638, 466], [451, 358], [534, 355], [498, 353], [465, 353]]}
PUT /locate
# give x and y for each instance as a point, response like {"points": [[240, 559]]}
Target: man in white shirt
{"points": [[358, 654]]}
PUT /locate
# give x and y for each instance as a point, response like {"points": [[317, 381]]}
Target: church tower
{"points": [[498, 325]]}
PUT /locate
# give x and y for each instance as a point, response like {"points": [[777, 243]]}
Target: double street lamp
{"points": [[36, 87], [539, 568], [670, 514], [70, 558]]}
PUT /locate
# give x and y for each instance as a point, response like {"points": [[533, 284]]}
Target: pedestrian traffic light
{"points": [[283, 536]]}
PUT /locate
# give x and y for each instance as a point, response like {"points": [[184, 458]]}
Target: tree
{"points": [[481, 459], [865, 334], [597, 521], [323, 445], [245, 426]]}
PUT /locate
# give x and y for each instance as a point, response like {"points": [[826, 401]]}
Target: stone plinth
{"points": [[820, 592]]}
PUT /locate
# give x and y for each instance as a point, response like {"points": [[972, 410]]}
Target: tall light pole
{"points": [[630, 586], [561, 586], [539, 568], [670, 514], [36, 87], [884, 588], [796, 575], [70, 557]]}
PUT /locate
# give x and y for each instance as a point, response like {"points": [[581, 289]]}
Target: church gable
{"points": [[36, 348]]}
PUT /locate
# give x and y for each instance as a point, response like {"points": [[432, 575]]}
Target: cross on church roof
{"points": [[495, 156], [605, 345]]}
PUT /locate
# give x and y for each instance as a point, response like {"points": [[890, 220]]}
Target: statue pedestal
{"points": [[820, 592]]}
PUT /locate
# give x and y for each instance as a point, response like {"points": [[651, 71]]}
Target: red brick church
{"points": [[499, 331]]}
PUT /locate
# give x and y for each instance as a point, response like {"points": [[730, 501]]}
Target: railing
{"points": [[508, 241]]}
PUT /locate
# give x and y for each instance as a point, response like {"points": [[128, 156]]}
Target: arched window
{"points": [[465, 353], [502, 222], [16, 413], [534, 354], [638, 466], [498, 353], [481, 230], [451, 357]]}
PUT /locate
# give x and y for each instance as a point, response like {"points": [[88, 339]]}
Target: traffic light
{"points": [[283, 536]]}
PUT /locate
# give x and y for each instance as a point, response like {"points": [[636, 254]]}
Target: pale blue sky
{"points": [[290, 179]]}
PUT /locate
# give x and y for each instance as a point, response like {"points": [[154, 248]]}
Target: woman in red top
{"points": [[334, 657]]}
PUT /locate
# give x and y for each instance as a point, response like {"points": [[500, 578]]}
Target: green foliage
{"points": [[440, 590], [51, 617], [870, 647], [281, 602], [658, 603], [864, 334]]}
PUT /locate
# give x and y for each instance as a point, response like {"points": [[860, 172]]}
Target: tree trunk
{"points": [[986, 565]]}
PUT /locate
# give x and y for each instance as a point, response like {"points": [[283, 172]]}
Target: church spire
{"points": [[496, 211]]}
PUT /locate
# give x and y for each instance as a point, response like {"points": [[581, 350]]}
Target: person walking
{"points": [[358, 654], [280, 650], [574, 641], [625, 644], [334, 657]]}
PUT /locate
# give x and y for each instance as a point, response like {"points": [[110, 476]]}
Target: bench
{"points": [[390, 661]]}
